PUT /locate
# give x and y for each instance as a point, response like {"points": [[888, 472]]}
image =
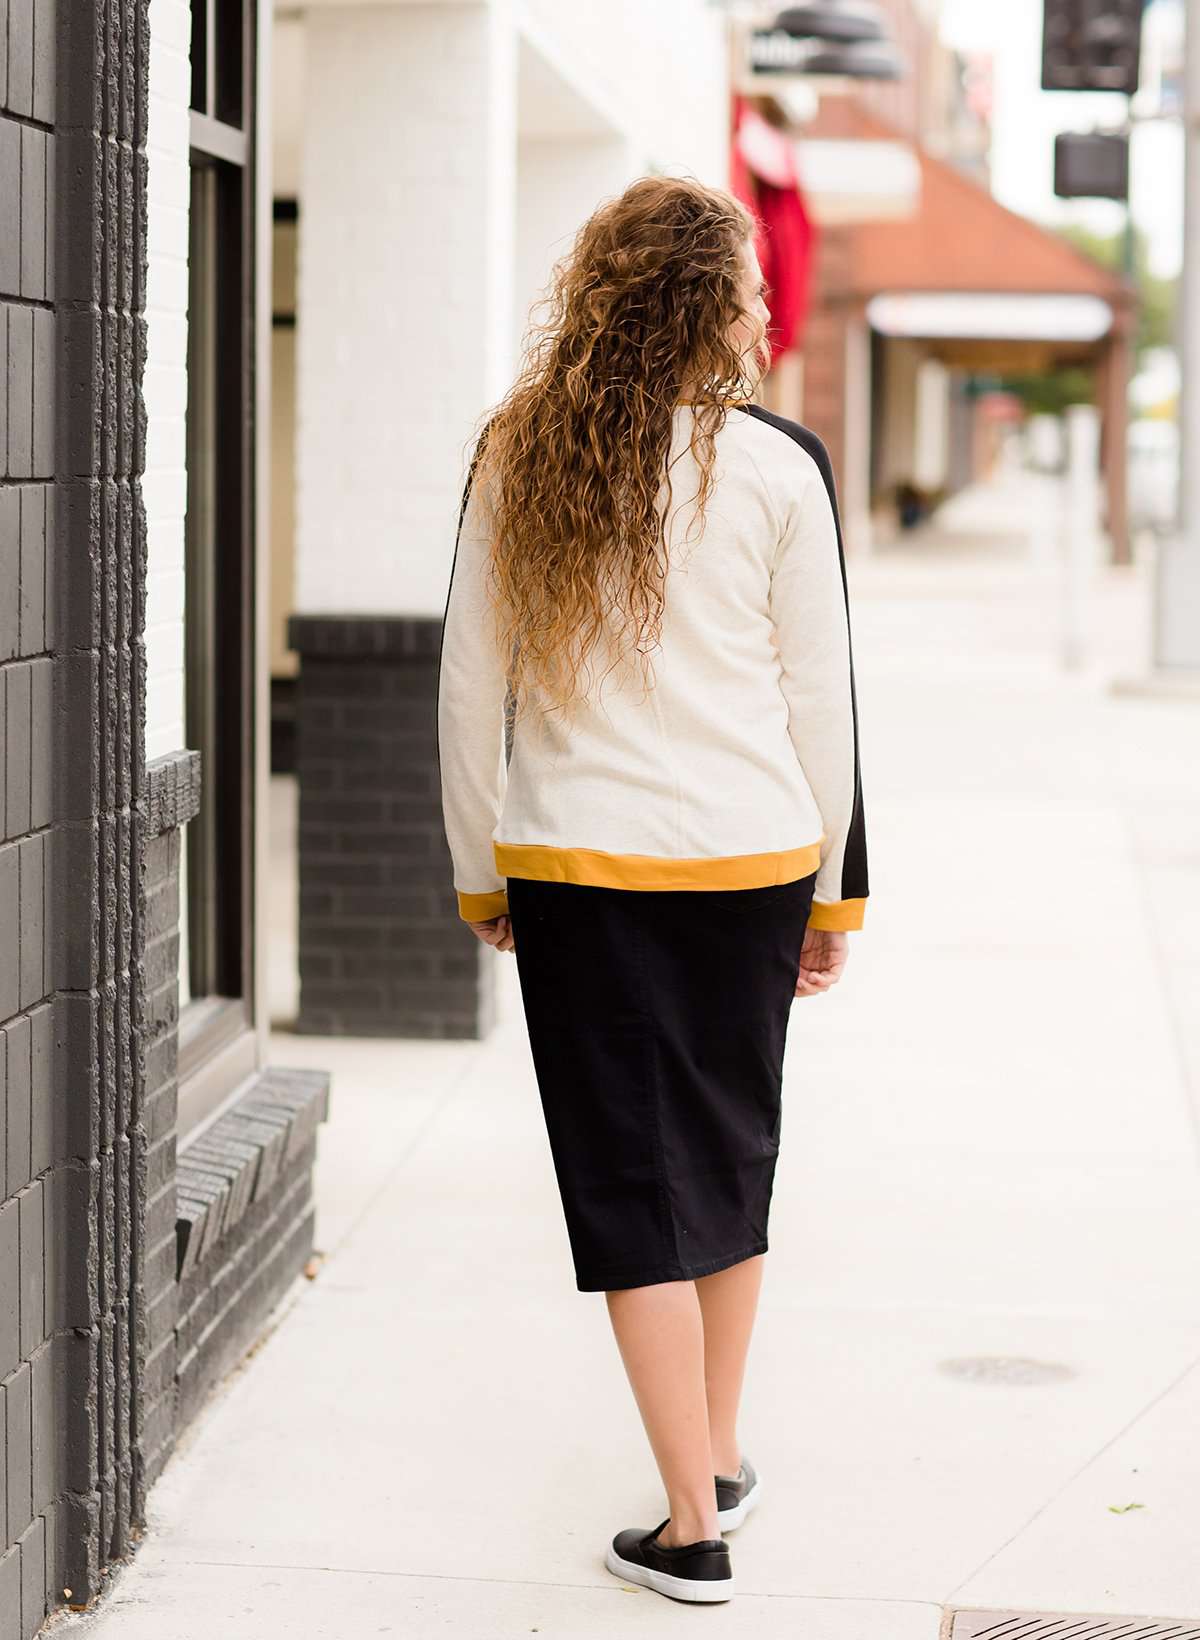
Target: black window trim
{"points": [[218, 1042]]}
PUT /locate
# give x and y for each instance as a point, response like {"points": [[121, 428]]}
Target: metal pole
{"points": [[1078, 532], [1128, 240], [1177, 593]]}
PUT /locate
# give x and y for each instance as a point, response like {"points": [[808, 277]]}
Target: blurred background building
{"points": [[923, 300]]}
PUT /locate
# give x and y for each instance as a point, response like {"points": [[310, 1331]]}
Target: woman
{"points": [[648, 594]]}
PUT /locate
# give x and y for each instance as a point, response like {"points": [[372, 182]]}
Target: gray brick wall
{"points": [[383, 951]]}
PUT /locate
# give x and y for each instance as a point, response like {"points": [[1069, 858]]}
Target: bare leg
{"points": [[728, 1305], [660, 1335]]}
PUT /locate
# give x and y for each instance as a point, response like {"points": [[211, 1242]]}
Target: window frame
{"points": [[218, 1043]]}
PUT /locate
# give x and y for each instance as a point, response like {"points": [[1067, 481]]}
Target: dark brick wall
{"points": [[172, 798], [383, 951], [72, 555], [245, 1223], [94, 1380], [98, 229], [229, 1213], [44, 1362]]}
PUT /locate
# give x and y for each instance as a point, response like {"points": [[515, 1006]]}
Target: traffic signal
{"points": [[1091, 45]]}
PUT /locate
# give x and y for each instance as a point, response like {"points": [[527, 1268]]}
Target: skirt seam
{"points": [[659, 1064]]}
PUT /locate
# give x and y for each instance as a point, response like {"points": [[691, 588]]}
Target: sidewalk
{"points": [[980, 1334]]}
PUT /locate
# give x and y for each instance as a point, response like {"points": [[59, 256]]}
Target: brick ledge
{"points": [[236, 1159], [172, 791]]}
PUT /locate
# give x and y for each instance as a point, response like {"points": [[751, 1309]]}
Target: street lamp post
{"points": [[1177, 589]]}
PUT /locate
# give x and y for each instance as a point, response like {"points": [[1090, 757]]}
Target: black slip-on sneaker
{"points": [[694, 1571], [736, 1496]]}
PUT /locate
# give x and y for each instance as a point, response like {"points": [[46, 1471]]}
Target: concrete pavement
{"points": [[976, 1380]]}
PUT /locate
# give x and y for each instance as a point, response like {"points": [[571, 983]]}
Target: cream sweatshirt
{"points": [[739, 767]]}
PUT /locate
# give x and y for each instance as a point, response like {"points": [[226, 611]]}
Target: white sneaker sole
{"points": [[677, 1588], [727, 1519]]}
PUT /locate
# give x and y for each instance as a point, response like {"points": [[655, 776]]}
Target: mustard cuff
{"points": [[483, 907], [837, 915]]}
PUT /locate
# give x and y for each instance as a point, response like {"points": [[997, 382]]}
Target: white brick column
{"points": [[408, 184]]}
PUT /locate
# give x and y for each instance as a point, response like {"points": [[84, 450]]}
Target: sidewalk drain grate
{"points": [[1006, 1369], [1008, 1625]]}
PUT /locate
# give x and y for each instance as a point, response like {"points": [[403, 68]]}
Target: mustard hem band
{"points": [[599, 869]]}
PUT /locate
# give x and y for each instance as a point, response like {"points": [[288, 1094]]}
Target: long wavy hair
{"points": [[574, 460]]}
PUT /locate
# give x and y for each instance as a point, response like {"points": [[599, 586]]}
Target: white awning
{"points": [[990, 316]]}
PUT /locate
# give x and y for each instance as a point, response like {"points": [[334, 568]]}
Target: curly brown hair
{"points": [[575, 455]]}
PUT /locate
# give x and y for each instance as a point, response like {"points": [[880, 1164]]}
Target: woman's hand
{"points": [[822, 958], [496, 931]]}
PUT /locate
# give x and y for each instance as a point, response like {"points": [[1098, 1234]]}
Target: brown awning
{"points": [[959, 239]]}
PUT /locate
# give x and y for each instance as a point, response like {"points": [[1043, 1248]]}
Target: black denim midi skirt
{"points": [[657, 1022]]}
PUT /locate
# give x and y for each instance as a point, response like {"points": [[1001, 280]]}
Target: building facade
{"points": [[155, 1175]]}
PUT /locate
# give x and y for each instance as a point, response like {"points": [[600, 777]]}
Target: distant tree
{"points": [[1051, 392], [1156, 296]]}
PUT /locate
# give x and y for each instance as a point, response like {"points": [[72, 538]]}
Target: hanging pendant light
{"points": [[838, 39], [843, 22]]}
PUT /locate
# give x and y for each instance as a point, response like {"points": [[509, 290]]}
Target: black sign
{"points": [[1091, 45], [1091, 166]]}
